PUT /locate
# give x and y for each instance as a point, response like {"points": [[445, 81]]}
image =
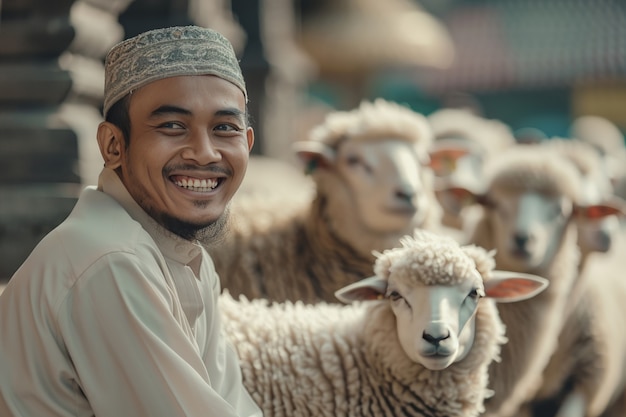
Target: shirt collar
{"points": [[171, 245]]}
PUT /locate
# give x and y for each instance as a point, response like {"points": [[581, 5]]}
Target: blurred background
{"points": [[535, 65]]}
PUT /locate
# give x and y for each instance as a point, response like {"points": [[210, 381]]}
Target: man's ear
{"points": [[250, 136], [111, 143]]}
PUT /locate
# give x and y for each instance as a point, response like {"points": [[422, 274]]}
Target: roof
{"points": [[532, 43]]}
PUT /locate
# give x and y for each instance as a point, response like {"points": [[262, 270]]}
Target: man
{"points": [[115, 311]]}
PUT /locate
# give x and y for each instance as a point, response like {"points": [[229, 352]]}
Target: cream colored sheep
{"points": [[598, 211], [587, 373], [580, 377], [463, 143], [608, 140], [371, 188], [420, 346], [528, 220], [586, 377]]}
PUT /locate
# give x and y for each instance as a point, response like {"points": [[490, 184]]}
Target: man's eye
{"points": [[225, 127], [172, 125]]}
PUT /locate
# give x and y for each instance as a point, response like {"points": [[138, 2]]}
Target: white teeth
{"points": [[197, 185]]}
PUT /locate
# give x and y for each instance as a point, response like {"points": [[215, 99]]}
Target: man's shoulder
{"points": [[99, 222], [97, 227]]}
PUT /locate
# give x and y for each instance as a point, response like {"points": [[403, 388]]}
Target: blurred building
{"points": [[531, 63]]}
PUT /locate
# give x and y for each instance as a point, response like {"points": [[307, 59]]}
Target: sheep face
{"points": [[434, 289], [378, 183], [528, 226], [596, 216], [457, 162], [457, 165], [434, 322], [598, 225]]}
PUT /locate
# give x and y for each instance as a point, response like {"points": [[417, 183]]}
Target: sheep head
{"points": [[434, 287], [369, 167], [530, 197], [598, 210], [599, 224]]}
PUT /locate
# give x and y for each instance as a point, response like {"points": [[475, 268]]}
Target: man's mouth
{"points": [[195, 184]]}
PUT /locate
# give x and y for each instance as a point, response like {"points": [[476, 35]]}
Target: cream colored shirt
{"points": [[111, 315]]}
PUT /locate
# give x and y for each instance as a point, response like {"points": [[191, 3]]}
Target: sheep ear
{"points": [[508, 287], [455, 198], [314, 154], [613, 207], [372, 288]]}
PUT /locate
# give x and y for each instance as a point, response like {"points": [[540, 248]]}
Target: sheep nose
{"points": [[405, 195], [435, 339], [521, 240]]}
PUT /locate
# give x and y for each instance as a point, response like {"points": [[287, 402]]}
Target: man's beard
{"points": [[194, 231]]}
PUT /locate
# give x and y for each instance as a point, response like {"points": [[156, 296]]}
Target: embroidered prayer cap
{"points": [[168, 52]]}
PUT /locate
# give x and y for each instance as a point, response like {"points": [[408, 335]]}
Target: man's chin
{"points": [[203, 232]]}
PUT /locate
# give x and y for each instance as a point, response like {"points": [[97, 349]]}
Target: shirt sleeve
{"points": [[130, 353]]}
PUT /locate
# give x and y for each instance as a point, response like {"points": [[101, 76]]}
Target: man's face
{"points": [[188, 151]]}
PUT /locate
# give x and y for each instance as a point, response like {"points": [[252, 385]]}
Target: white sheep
{"points": [[463, 143], [598, 211], [608, 140], [420, 347], [579, 379], [527, 219], [371, 188], [587, 373], [586, 377]]}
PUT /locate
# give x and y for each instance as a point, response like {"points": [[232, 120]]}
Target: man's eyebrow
{"points": [[231, 111], [169, 109]]}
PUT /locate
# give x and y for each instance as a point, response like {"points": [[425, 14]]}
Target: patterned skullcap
{"points": [[168, 52]]}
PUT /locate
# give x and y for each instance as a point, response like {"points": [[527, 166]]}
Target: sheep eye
{"points": [[353, 160], [476, 293], [394, 296], [357, 161]]}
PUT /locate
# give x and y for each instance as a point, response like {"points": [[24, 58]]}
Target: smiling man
{"points": [[115, 311]]}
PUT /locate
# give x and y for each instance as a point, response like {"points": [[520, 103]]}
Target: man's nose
{"points": [[202, 149]]}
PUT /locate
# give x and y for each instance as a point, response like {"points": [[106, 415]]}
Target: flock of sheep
{"points": [[432, 266]]}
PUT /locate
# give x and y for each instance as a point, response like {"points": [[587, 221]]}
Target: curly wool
{"points": [[581, 154], [335, 360], [377, 120], [429, 258], [521, 168], [491, 135]]}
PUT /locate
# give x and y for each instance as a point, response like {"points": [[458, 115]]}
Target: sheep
{"points": [[371, 188], [608, 140], [463, 142], [527, 219], [598, 211], [586, 377], [376, 356], [577, 370]]}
